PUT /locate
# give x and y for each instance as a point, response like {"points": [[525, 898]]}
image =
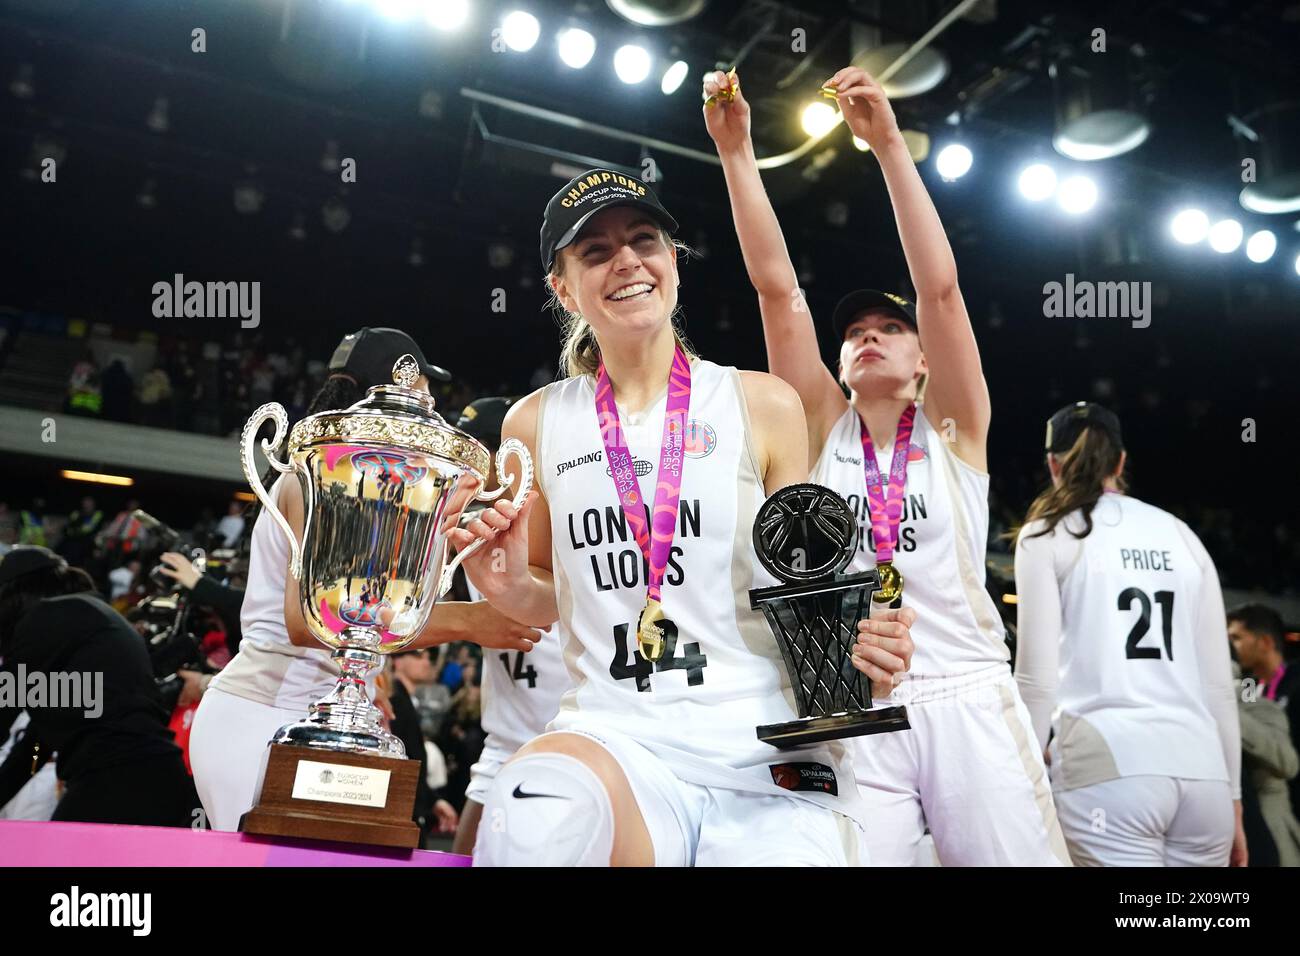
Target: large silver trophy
{"points": [[376, 479]]}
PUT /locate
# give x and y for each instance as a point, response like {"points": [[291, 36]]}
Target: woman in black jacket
{"points": [[115, 755]]}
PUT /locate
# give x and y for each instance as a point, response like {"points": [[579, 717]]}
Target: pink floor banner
{"points": [[26, 843]]}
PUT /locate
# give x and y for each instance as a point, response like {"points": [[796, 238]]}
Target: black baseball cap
{"points": [[1063, 428], [584, 196], [482, 419], [368, 355], [849, 307], [26, 558]]}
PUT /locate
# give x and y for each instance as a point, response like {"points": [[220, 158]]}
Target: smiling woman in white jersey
{"points": [[1122, 656], [916, 475], [653, 756]]}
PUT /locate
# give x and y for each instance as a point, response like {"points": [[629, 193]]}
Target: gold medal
{"points": [[649, 635], [891, 584], [728, 93]]}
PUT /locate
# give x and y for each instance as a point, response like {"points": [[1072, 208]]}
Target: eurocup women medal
{"points": [[805, 535], [728, 93], [886, 503], [654, 536], [377, 480], [891, 583], [649, 635]]}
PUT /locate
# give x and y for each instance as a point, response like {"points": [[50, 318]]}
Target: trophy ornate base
{"points": [[814, 730], [348, 797]]}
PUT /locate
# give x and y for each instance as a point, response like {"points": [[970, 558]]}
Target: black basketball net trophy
{"points": [[805, 535]]}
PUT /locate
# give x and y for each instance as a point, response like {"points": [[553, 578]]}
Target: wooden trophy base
{"points": [[326, 795]]}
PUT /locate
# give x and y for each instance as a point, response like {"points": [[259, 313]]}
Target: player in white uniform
{"points": [[968, 767], [521, 690], [1123, 658], [654, 760], [281, 669]]}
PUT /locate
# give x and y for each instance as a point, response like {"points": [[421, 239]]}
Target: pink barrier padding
{"points": [[27, 843]]}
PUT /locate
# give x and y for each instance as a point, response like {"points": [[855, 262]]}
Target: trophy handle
{"points": [[511, 446], [272, 411]]}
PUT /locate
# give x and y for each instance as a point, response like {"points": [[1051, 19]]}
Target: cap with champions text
{"points": [[584, 196]]}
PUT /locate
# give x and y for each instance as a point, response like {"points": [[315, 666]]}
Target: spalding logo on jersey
{"points": [[914, 453], [805, 776], [701, 439]]}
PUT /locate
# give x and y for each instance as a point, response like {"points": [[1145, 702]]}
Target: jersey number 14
{"points": [[520, 672]]}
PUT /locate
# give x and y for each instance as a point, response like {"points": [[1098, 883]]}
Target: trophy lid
{"points": [[394, 416]]}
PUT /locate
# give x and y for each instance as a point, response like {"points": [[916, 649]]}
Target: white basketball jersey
{"points": [[1129, 668], [942, 538], [269, 668], [521, 689], [721, 675]]}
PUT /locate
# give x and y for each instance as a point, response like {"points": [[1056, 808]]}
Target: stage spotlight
{"points": [[1276, 126], [1077, 195], [632, 63], [861, 144], [657, 13], [1037, 182], [520, 30], [1100, 111], [1189, 226], [954, 161], [1261, 246], [446, 15], [673, 77], [577, 47], [398, 11], [819, 118], [1225, 235]]}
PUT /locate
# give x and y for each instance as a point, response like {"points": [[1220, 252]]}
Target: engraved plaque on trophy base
{"points": [[329, 795]]}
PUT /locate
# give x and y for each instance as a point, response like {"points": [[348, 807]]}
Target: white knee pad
{"points": [[545, 809]]}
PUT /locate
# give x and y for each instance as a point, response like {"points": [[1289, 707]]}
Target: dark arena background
{"points": [[350, 163]]}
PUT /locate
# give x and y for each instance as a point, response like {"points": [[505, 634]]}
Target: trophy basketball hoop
{"points": [[805, 535]]}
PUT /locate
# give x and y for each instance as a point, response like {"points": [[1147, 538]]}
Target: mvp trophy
{"points": [[805, 535], [376, 481]]}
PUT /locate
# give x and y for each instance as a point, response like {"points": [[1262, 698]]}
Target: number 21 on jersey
{"points": [[1133, 649]]}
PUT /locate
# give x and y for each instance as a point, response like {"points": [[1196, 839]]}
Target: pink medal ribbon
{"points": [[655, 538], [886, 504]]}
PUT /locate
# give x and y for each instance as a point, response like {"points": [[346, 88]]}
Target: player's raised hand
{"points": [[884, 647], [726, 114], [865, 107]]}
